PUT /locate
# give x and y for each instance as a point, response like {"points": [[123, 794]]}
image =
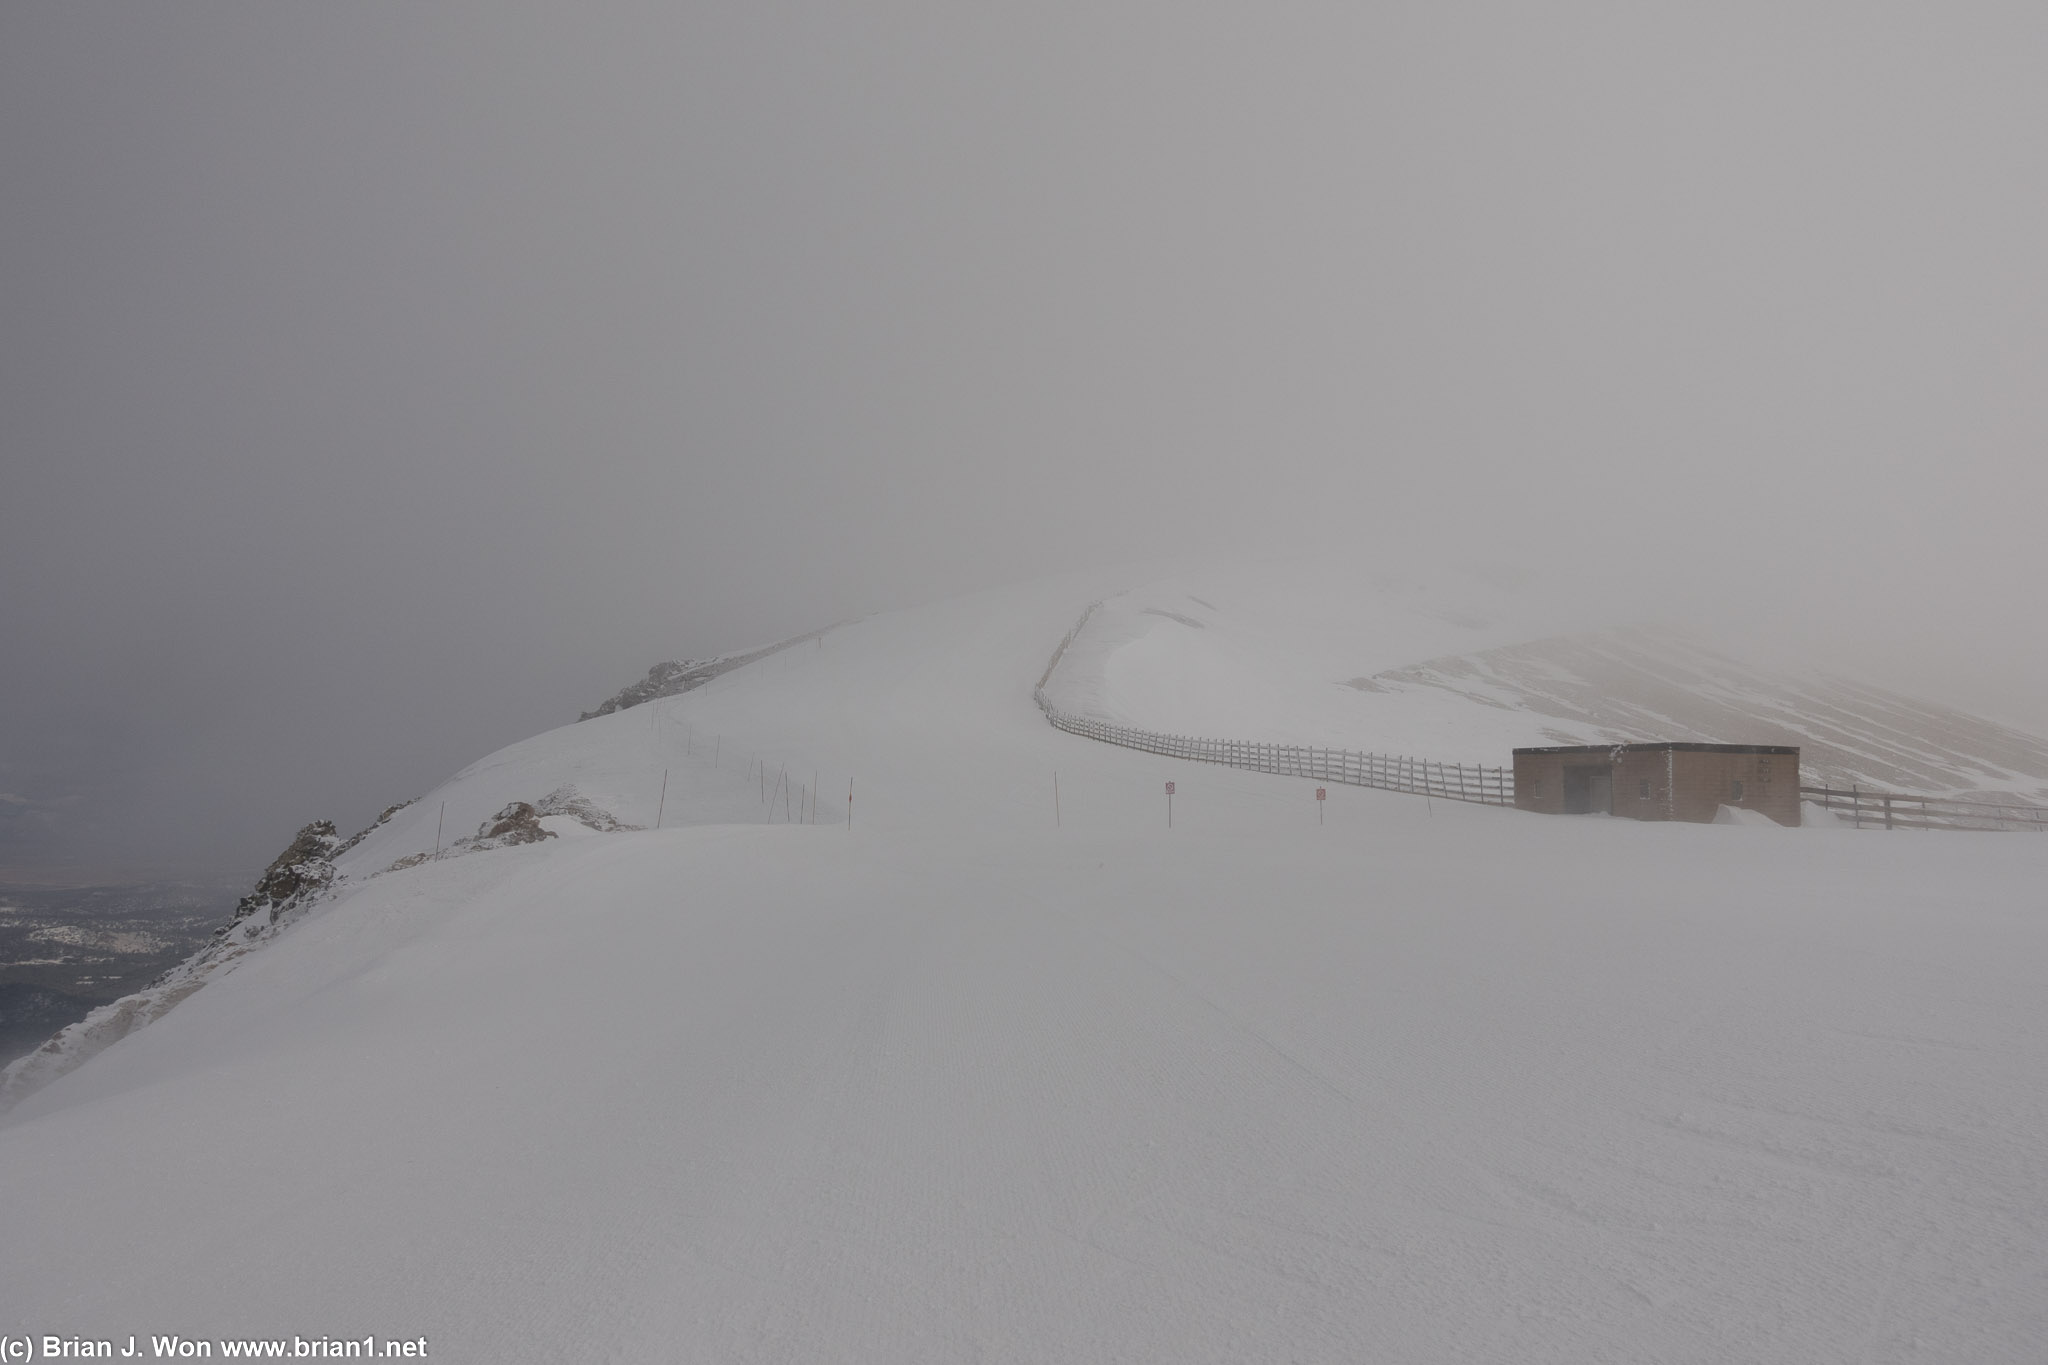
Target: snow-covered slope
{"points": [[1646, 682], [959, 1083], [1467, 670]]}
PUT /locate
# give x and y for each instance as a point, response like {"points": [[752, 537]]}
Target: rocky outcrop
{"points": [[682, 675], [304, 869], [574, 804], [663, 680], [518, 823], [297, 878]]}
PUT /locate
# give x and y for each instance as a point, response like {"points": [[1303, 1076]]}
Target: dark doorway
{"points": [[1588, 790]]}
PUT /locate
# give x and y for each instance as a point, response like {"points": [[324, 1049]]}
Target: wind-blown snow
{"points": [[1469, 671], [1424, 1083]]}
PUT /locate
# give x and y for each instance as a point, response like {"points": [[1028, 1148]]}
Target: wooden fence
{"points": [[1893, 810], [1492, 786], [1389, 772]]}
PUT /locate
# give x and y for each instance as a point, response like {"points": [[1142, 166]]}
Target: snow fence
{"points": [[1389, 772]]}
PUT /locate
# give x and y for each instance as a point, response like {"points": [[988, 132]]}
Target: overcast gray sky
{"points": [[381, 383]]}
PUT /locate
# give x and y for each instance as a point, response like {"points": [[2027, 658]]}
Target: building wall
{"points": [[1642, 784], [1706, 782], [1669, 784], [1539, 782]]}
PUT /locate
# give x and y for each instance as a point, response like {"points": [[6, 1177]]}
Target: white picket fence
{"points": [[1390, 772]]}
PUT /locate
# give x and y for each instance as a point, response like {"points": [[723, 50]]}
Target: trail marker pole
{"points": [[1322, 794], [438, 822], [662, 805], [1169, 805], [849, 804]]}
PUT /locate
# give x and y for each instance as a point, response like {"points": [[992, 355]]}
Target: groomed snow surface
{"points": [[1422, 1083]]}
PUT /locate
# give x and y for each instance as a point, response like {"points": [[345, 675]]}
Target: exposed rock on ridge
{"points": [[297, 878], [518, 823], [684, 675], [305, 867]]}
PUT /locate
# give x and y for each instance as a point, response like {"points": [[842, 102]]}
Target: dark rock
{"points": [[681, 675], [518, 823], [304, 867]]}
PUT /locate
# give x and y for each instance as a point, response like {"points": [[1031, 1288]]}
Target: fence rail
{"points": [[1389, 772], [1895, 810], [1491, 786]]}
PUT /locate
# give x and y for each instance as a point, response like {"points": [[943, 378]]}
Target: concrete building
{"points": [[1659, 781]]}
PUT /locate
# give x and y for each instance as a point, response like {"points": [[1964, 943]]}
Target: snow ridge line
{"points": [[1388, 772], [1038, 692]]}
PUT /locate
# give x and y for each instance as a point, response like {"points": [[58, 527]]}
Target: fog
{"points": [[381, 383]]}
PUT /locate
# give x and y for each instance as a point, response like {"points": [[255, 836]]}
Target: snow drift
{"points": [[958, 1081]]}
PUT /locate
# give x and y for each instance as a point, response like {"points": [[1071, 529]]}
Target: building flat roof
{"points": [[1682, 748]]}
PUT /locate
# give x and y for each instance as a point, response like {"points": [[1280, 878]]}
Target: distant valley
{"points": [[65, 951]]}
